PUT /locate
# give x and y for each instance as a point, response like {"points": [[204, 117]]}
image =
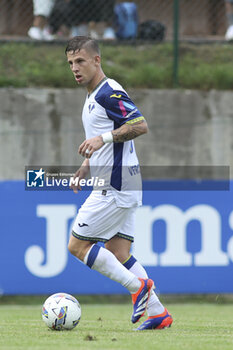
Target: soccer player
{"points": [[111, 122]]}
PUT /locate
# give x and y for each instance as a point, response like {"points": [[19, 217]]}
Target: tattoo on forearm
{"points": [[128, 132]]}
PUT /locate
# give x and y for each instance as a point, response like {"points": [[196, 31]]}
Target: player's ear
{"points": [[97, 60]]}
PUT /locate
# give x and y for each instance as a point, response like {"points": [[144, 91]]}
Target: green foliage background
{"points": [[202, 67]]}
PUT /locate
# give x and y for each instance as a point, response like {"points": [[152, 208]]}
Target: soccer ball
{"points": [[61, 311]]}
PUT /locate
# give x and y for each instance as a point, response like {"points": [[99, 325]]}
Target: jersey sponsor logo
{"points": [[115, 95], [134, 169]]}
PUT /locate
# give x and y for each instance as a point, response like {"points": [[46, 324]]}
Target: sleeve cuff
{"points": [[135, 120]]}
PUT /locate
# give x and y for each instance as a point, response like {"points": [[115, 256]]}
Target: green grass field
{"points": [[203, 326], [201, 67]]}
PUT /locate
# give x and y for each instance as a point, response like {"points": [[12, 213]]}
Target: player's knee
{"points": [[78, 248]]}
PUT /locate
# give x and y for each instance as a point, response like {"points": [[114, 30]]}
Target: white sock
{"points": [[103, 261], [154, 305]]}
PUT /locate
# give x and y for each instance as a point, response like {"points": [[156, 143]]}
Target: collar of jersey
{"points": [[97, 86]]}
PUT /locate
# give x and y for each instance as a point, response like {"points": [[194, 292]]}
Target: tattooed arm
{"points": [[129, 131], [125, 133]]}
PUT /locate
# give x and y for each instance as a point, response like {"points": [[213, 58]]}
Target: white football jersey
{"points": [[105, 109]]}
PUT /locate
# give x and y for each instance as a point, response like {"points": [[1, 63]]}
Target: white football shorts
{"points": [[99, 219]]}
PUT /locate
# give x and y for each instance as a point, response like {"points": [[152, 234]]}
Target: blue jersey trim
{"points": [[116, 176], [117, 104]]}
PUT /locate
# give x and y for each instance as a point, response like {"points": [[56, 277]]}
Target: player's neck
{"points": [[95, 83]]}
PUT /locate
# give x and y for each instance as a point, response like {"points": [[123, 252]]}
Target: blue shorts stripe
{"points": [[92, 255], [129, 263]]}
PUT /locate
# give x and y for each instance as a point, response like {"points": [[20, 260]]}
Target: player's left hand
{"points": [[88, 147]]}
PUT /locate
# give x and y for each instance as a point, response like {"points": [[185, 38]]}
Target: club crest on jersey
{"points": [[91, 107]]}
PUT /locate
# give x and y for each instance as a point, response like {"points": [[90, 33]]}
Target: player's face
{"points": [[84, 66]]}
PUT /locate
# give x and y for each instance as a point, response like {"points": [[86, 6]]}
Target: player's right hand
{"points": [[81, 173]]}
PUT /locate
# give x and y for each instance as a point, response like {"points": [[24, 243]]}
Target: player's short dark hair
{"points": [[82, 42]]}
